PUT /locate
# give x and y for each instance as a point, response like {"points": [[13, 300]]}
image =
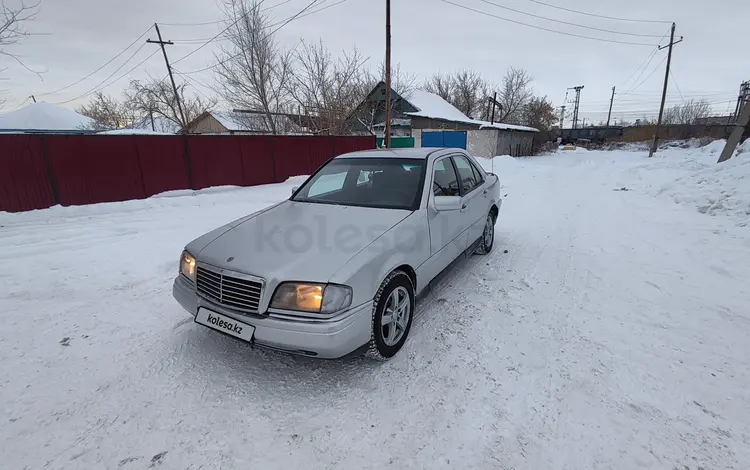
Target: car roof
{"points": [[415, 153]]}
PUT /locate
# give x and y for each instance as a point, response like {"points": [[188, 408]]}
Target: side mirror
{"points": [[447, 203], [294, 189]]}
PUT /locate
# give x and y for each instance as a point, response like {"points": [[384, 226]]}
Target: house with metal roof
{"points": [[431, 121]]}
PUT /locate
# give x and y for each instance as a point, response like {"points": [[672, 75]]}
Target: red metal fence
{"points": [[38, 171]]}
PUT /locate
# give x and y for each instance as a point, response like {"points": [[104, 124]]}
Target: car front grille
{"points": [[229, 291]]}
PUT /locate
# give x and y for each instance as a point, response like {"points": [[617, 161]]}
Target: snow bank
{"points": [[716, 188], [714, 147]]}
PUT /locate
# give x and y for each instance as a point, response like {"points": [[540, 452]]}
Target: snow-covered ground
{"points": [[612, 334]]}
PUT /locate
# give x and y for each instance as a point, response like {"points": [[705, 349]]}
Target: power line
{"points": [[649, 75], [270, 26], [196, 81], [693, 92], [200, 40], [567, 22], [599, 16], [645, 62], [93, 90], [635, 87], [97, 70], [292, 18], [221, 21], [313, 2], [643, 66], [546, 29], [22, 103], [676, 85]]}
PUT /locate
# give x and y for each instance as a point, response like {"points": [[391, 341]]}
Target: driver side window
{"points": [[444, 180]]}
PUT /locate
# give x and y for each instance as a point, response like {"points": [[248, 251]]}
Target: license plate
{"points": [[230, 326]]}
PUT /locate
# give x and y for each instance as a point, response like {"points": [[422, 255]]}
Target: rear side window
{"points": [[466, 172], [477, 174]]}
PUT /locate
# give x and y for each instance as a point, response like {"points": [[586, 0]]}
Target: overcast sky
{"points": [[428, 36]]}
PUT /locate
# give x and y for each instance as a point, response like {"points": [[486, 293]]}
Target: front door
{"points": [[448, 228]]}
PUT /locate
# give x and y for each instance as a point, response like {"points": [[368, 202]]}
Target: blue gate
{"points": [[453, 139]]}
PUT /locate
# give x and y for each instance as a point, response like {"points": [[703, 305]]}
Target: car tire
{"points": [[387, 339], [488, 236]]}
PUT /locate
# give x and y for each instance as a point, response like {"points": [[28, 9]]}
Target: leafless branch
{"points": [[13, 20], [442, 85], [687, 113], [326, 87], [252, 70], [156, 98], [515, 92], [108, 112]]}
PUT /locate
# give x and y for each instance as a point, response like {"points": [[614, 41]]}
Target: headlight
{"points": [[187, 266], [313, 298]]}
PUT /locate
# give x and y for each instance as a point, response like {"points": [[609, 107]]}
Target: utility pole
{"points": [[577, 103], [494, 103], [740, 126], [169, 69], [562, 116], [664, 91], [611, 100], [387, 136], [742, 98]]}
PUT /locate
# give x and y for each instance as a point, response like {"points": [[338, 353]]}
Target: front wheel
{"points": [[392, 314], [488, 236]]}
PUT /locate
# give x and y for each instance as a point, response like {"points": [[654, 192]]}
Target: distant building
{"points": [[713, 120], [233, 123], [434, 122]]}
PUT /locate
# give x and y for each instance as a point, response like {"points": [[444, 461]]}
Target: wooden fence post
{"points": [[273, 158], [188, 161], [50, 171]]}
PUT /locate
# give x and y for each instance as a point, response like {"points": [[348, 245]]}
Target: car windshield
{"points": [[393, 183]]}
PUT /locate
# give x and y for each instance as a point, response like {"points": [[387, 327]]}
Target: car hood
{"points": [[298, 240]]}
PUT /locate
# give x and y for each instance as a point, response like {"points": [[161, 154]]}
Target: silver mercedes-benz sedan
{"points": [[335, 269]]}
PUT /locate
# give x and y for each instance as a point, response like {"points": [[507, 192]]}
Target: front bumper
{"points": [[329, 339]]}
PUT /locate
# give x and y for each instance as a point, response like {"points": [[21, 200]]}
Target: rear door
{"points": [[473, 198]]}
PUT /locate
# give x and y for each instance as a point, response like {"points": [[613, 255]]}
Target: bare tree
{"points": [[12, 31], [326, 87], [157, 98], [538, 112], [253, 71], [515, 92], [108, 112], [402, 82], [442, 85], [469, 93], [12, 26], [687, 113]]}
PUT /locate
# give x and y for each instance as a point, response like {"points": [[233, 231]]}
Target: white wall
{"points": [[482, 142]]}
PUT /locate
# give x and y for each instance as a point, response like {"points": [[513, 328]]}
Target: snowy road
{"points": [[613, 334]]}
